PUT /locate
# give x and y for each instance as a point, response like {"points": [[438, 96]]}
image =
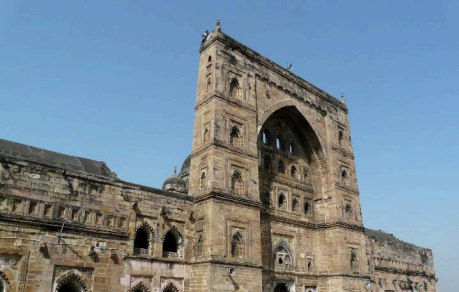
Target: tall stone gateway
{"points": [[267, 201]]}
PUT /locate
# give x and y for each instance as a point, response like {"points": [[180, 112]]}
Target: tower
{"points": [[272, 172]]}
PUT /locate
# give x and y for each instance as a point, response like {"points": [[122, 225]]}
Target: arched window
{"points": [[235, 137], [235, 89], [209, 59], [283, 256], [142, 241], [237, 245], [279, 143], [281, 166], [205, 135], [293, 171], [341, 138], [171, 242], [237, 183], [307, 207], [348, 211], [70, 285], [139, 287], [199, 245], [291, 148], [267, 163], [208, 85], [310, 264], [295, 207], [281, 201], [354, 262], [266, 137], [203, 182], [344, 177], [170, 288]]}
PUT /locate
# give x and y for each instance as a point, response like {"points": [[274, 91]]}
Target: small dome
{"points": [[174, 184], [185, 167]]}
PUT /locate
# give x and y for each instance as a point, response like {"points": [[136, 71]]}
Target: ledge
{"points": [[405, 272], [220, 194], [55, 224]]}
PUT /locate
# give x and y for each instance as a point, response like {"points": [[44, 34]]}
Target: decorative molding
{"points": [[228, 196]]}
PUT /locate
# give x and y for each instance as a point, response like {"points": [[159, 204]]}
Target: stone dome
{"points": [[174, 184], [185, 171]]}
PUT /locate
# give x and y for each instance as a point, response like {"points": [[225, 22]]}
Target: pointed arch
{"points": [[293, 106], [235, 137], [199, 246], [140, 287], [73, 277], [171, 287], [177, 231], [235, 89], [237, 182], [144, 236], [172, 242], [237, 244], [283, 255], [8, 278]]}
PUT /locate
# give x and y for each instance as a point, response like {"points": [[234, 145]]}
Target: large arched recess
{"points": [[286, 122], [307, 143], [292, 106]]}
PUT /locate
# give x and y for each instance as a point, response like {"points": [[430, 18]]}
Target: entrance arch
{"points": [[281, 287], [298, 174], [72, 285], [72, 281]]}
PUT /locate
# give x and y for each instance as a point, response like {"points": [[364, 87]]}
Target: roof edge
{"points": [[257, 57]]}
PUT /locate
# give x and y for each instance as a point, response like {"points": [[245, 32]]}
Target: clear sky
{"points": [[116, 81]]}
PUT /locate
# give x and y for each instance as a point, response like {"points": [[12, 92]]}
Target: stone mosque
{"points": [[267, 201]]}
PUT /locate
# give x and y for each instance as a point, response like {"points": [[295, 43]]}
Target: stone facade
{"points": [[267, 201]]}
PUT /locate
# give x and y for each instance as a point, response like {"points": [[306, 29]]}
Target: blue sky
{"points": [[116, 81]]}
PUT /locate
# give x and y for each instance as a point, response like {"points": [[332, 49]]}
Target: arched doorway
{"points": [[72, 285], [281, 287]]}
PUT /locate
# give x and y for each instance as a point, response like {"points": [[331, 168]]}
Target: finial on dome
{"points": [[218, 26], [175, 170], [343, 100]]}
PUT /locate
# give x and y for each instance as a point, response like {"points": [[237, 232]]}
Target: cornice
{"points": [[405, 272], [222, 145], [40, 223], [258, 58], [95, 178], [224, 98], [234, 150], [350, 190], [342, 151], [226, 196], [316, 225], [317, 275]]}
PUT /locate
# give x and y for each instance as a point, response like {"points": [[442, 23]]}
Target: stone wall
{"points": [[57, 224], [399, 266]]}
